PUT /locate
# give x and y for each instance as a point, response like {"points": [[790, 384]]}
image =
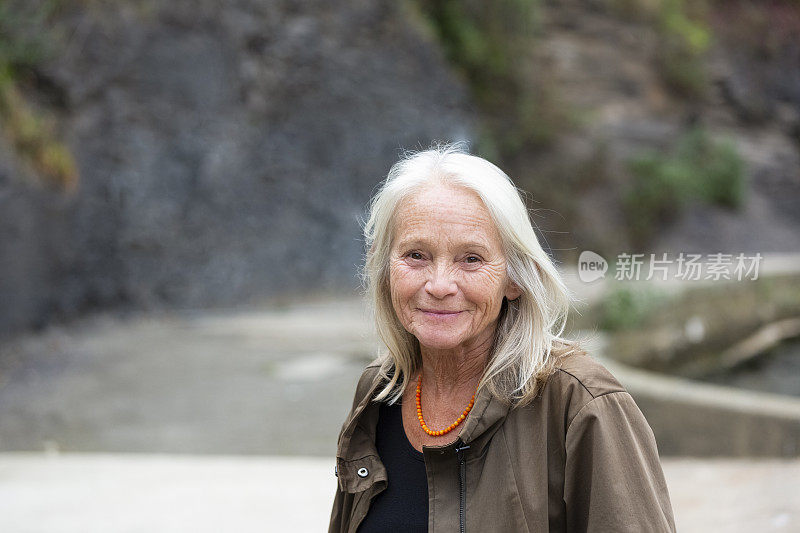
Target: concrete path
{"points": [[121, 493], [80, 493], [225, 382]]}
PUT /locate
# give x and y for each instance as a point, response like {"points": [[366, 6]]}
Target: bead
{"points": [[451, 427]]}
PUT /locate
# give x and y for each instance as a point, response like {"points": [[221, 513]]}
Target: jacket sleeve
{"points": [[336, 522], [613, 479]]}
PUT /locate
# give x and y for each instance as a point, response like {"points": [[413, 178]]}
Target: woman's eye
{"points": [[472, 259], [415, 255]]}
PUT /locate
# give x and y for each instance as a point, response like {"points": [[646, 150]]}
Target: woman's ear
{"points": [[513, 291]]}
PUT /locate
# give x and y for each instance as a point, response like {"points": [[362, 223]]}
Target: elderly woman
{"points": [[480, 417]]}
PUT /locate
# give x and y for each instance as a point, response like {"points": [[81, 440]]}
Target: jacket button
{"points": [[363, 472]]}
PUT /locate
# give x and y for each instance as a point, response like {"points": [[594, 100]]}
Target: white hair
{"points": [[528, 335]]}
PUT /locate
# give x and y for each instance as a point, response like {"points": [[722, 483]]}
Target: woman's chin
{"points": [[438, 342]]}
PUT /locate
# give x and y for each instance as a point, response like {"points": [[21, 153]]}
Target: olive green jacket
{"points": [[580, 457]]}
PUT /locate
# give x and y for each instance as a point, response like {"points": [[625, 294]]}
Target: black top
{"points": [[403, 505]]}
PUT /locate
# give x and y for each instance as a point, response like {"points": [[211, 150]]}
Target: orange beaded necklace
{"points": [[449, 428]]}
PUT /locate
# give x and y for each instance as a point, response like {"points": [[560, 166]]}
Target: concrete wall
{"points": [[698, 419]]}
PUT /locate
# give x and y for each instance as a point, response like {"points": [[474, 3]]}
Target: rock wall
{"points": [[604, 67], [226, 151]]}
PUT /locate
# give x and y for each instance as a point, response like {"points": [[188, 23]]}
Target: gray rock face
{"points": [[227, 150], [34, 245]]}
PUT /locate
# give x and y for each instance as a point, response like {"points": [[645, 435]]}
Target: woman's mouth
{"points": [[439, 313]]}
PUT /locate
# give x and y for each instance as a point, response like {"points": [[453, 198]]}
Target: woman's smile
{"points": [[440, 315]]}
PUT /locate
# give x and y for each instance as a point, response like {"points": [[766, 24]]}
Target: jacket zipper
{"points": [[462, 487]]}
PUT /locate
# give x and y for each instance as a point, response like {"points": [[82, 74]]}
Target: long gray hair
{"points": [[528, 338]]}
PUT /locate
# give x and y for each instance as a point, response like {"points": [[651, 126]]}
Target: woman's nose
{"points": [[440, 283]]}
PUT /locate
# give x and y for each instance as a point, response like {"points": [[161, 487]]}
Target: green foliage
{"points": [[490, 43], [625, 308], [684, 38], [684, 41], [33, 138], [481, 38], [697, 169], [24, 44]]}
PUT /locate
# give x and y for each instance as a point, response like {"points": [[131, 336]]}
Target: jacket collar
{"points": [[356, 448], [485, 417]]}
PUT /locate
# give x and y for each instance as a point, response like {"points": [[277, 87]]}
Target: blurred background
{"points": [[181, 190]]}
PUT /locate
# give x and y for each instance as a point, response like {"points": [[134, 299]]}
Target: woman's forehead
{"points": [[455, 215], [442, 201], [470, 241]]}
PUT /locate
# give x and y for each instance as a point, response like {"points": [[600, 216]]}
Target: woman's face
{"points": [[447, 268]]}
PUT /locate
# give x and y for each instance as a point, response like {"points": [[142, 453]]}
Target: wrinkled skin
{"points": [[447, 255]]}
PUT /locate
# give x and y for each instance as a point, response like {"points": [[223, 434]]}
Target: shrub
{"points": [[684, 37], [697, 169], [23, 45], [490, 43], [481, 38], [626, 308]]}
